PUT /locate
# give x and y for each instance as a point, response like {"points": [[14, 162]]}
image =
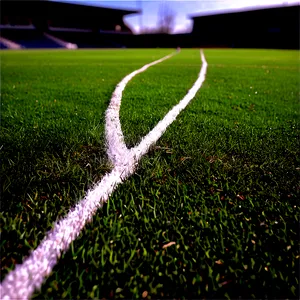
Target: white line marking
{"points": [[116, 148], [25, 278], [162, 125]]}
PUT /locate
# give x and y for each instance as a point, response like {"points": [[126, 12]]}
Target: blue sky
{"points": [[181, 9]]}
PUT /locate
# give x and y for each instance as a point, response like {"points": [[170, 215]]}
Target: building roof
{"points": [[49, 8], [239, 10], [97, 8]]}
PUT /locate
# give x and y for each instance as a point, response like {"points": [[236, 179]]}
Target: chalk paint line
{"points": [[29, 276], [116, 147]]}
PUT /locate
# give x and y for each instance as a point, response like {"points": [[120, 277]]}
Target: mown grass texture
{"points": [[222, 183]]}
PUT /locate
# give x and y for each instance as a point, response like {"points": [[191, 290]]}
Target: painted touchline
{"points": [[25, 278]]}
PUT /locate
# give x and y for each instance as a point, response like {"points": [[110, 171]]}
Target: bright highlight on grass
{"points": [[29, 276]]}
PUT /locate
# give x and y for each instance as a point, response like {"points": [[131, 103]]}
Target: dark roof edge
{"points": [[239, 10], [124, 11]]}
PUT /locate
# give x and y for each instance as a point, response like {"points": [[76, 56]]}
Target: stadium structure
{"points": [[49, 24], [268, 27], [274, 27]]}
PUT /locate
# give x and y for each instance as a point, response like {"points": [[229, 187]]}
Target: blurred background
{"points": [[73, 24]]}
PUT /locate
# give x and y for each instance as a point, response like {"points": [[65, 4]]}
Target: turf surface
{"points": [[222, 183]]}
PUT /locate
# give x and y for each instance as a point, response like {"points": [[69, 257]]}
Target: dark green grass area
{"points": [[153, 93], [52, 135], [222, 183]]}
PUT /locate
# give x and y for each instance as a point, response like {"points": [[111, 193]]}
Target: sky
{"points": [[181, 9]]}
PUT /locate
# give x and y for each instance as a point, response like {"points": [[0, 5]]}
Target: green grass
{"points": [[222, 183]]}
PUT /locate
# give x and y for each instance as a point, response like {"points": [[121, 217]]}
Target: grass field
{"points": [[222, 183]]}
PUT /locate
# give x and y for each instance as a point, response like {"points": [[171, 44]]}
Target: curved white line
{"points": [[25, 278], [170, 117], [116, 148]]}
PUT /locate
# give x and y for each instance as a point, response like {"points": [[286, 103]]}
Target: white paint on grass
{"points": [[25, 278], [162, 125], [116, 148]]}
